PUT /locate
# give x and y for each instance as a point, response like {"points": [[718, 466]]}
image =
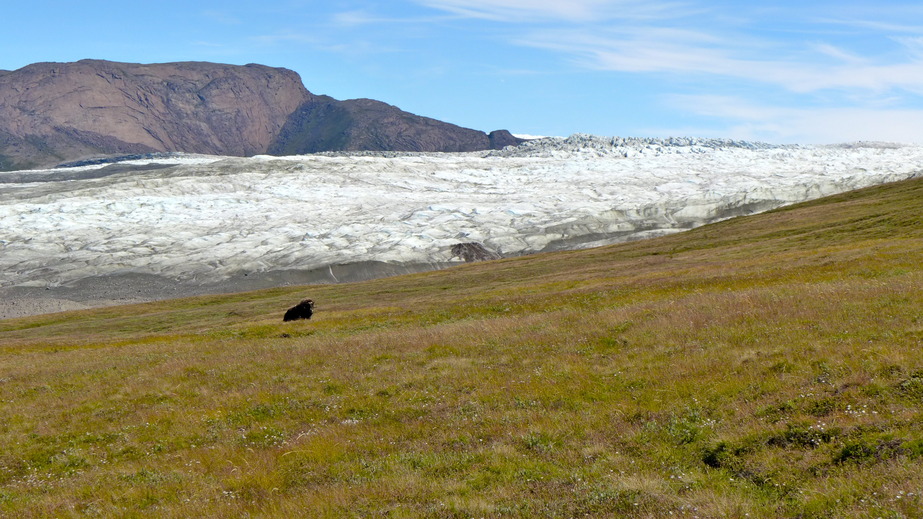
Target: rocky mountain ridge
{"points": [[52, 113]]}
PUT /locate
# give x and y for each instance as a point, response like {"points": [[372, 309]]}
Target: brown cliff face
{"points": [[50, 112]]}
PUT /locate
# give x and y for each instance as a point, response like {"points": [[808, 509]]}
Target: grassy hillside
{"points": [[761, 367]]}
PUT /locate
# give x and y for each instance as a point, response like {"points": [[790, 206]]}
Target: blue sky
{"points": [[781, 71]]}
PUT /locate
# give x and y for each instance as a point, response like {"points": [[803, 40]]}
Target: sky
{"points": [[800, 71]]}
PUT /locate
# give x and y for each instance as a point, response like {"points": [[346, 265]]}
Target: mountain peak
{"points": [[56, 112]]}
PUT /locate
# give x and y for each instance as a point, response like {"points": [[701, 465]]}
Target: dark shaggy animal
{"points": [[302, 310]]}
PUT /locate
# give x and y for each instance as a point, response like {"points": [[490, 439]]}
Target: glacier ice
{"points": [[200, 219]]}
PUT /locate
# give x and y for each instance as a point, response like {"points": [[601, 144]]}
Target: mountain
{"points": [[56, 112], [323, 124], [52, 112]]}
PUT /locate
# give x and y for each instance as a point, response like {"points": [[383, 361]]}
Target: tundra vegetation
{"points": [[765, 366]]}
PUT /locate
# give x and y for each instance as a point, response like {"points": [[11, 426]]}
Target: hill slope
{"points": [[58, 112], [325, 124], [764, 366]]}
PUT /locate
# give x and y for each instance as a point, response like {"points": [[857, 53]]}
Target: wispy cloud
{"points": [[874, 25], [519, 11], [358, 18], [322, 42], [797, 66], [589, 33], [838, 54], [743, 119], [852, 77]]}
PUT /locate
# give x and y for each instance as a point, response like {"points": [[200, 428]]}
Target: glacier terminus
{"points": [[178, 224]]}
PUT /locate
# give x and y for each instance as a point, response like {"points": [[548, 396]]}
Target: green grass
{"points": [[767, 366]]}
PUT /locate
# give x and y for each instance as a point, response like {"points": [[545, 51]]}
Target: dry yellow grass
{"points": [[763, 367]]}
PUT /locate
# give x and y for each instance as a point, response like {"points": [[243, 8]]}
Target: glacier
{"points": [[178, 224]]}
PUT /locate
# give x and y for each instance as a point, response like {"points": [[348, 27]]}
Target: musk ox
{"points": [[302, 310]]}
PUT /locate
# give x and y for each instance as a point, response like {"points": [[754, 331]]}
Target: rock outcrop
{"points": [[52, 113], [500, 139], [470, 252]]}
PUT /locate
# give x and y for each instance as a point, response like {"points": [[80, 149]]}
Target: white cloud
{"points": [[877, 26], [570, 11], [689, 53], [838, 54], [360, 18], [743, 119], [914, 45], [667, 43], [858, 77], [316, 41], [507, 10]]}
